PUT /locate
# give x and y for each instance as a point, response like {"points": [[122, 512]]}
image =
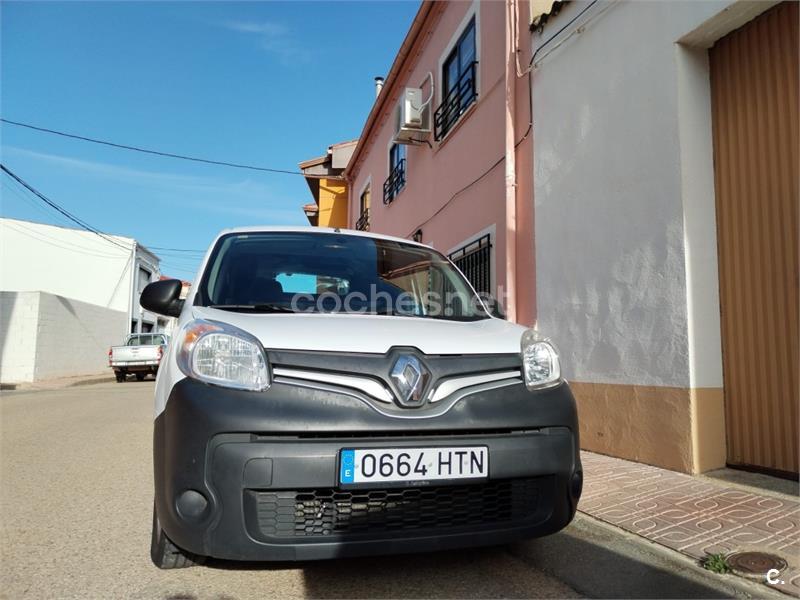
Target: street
{"points": [[76, 517]]}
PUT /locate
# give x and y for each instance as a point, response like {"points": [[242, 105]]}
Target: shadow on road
{"points": [[476, 573], [594, 561], [601, 562]]}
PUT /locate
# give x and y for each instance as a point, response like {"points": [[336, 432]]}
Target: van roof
{"points": [[310, 229]]}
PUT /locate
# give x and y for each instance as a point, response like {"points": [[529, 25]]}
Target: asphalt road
{"points": [[76, 514]]}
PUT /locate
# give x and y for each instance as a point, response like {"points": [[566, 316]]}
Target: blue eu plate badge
{"points": [[348, 464]]}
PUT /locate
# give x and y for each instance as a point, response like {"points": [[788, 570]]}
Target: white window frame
{"points": [[389, 165], [367, 184], [472, 11]]}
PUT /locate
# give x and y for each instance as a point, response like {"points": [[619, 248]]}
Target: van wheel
{"points": [[120, 376], [165, 554], [140, 376]]}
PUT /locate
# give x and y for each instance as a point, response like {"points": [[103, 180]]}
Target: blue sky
{"points": [[265, 83]]}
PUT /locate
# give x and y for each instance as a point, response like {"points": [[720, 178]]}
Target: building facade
{"points": [[623, 176], [460, 180], [666, 192], [328, 187], [67, 295]]}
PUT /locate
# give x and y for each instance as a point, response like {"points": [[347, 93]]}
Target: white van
{"points": [[336, 393]]}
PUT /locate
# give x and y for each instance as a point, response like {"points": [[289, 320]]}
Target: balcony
{"points": [[363, 221], [395, 182], [457, 100]]}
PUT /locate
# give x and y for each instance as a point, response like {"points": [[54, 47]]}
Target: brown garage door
{"points": [[754, 85]]}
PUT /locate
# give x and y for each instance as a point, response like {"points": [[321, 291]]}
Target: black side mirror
{"points": [[163, 297]]}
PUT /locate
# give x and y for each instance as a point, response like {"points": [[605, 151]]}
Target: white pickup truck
{"points": [[140, 355]]}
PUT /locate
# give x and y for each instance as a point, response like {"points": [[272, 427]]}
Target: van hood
{"points": [[374, 334]]}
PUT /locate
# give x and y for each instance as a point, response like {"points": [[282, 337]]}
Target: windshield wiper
{"points": [[258, 308]]}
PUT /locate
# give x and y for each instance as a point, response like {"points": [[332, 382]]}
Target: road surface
{"points": [[76, 514]]}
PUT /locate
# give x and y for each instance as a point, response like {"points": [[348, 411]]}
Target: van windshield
{"points": [[302, 272]]}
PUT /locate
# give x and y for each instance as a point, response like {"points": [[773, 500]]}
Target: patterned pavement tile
{"points": [[644, 525], [692, 516]]}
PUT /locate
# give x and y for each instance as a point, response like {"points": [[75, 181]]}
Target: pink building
{"points": [[450, 160]]}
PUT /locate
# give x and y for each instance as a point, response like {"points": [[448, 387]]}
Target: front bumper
{"points": [[266, 467], [134, 365]]}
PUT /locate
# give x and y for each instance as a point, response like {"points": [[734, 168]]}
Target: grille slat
{"points": [[344, 513]]}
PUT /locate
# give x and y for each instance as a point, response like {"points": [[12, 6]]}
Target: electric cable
{"points": [[60, 209], [453, 197], [147, 150]]}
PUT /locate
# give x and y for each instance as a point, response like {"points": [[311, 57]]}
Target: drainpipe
{"points": [[511, 174], [132, 298]]}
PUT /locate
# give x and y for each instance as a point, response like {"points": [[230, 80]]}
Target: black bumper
{"points": [[266, 465]]}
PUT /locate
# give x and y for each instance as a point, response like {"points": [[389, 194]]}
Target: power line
{"points": [[148, 151], [167, 251], [71, 248], [9, 187], [176, 249], [453, 197], [61, 210]]}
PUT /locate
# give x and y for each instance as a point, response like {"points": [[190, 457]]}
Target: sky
{"points": [[262, 83]]}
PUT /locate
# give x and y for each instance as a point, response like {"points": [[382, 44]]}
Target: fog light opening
{"points": [[191, 505]]}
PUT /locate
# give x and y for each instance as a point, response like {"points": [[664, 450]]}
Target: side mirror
{"points": [[163, 297]]}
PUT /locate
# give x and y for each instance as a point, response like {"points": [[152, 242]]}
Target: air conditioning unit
{"points": [[412, 120]]}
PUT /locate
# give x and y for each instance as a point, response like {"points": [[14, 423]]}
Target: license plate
{"points": [[399, 465]]}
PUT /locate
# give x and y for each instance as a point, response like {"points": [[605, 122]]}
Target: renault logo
{"points": [[410, 378]]}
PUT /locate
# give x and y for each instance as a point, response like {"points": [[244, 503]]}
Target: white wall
{"points": [[75, 264], [43, 336], [66, 262], [623, 192], [19, 318]]}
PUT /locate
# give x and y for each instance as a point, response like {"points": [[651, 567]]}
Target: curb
{"points": [[108, 379], [748, 586], [56, 384]]}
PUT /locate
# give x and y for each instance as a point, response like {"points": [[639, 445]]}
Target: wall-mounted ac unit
{"points": [[412, 120]]}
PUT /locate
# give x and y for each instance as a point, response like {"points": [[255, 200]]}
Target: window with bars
{"points": [[475, 261], [458, 82], [397, 173], [362, 223]]}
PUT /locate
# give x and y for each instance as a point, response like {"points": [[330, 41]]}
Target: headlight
{"points": [[539, 361], [223, 355]]}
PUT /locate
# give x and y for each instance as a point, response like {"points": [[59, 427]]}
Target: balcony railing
{"points": [[395, 182], [455, 103], [363, 221]]}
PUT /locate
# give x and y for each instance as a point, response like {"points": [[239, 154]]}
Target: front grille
{"points": [[339, 436], [336, 513]]}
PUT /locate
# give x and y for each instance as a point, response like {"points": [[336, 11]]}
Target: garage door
{"points": [[754, 84]]}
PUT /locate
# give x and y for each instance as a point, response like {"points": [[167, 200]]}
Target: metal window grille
{"points": [[457, 100], [362, 224], [395, 182], [475, 261]]}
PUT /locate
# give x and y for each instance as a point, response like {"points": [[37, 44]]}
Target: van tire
{"points": [[120, 376], [165, 554], [140, 376]]}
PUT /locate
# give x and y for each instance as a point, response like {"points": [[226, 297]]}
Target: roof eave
{"points": [[391, 79]]}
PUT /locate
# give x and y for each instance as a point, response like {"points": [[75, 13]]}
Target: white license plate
{"points": [[389, 465]]}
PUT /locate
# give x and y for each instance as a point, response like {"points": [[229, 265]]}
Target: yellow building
{"points": [[324, 177]]}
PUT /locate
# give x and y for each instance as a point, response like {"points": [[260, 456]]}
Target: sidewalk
{"points": [[693, 515], [58, 383]]}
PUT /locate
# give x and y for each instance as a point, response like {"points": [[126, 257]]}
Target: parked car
{"points": [[140, 355], [318, 401]]}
